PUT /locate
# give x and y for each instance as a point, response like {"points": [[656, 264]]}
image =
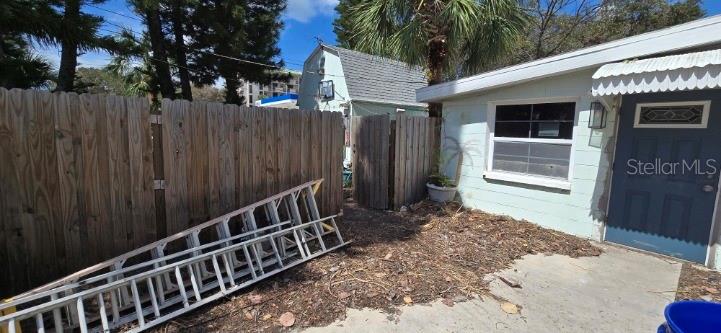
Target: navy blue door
{"points": [[666, 206]]}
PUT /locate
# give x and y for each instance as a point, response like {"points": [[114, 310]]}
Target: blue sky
{"points": [[304, 21]]}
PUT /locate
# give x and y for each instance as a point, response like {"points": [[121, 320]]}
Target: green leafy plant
{"points": [[441, 180], [437, 178]]}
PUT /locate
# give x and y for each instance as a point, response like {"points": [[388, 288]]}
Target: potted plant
{"points": [[441, 188]]}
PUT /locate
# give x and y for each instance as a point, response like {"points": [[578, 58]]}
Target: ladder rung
{"points": [[57, 317], [218, 274], [229, 271], [153, 301], [39, 323], [249, 262], [275, 251], [194, 283], [138, 305], [181, 286], [81, 315], [114, 307], [256, 249], [159, 288], [103, 314], [300, 245]]}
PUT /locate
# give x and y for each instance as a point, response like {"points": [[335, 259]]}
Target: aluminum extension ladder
{"points": [[209, 261]]}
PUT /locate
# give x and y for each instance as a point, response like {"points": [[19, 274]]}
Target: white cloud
{"points": [[304, 10]]}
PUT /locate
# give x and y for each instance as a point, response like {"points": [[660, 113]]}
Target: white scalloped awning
{"points": [[690, 71]]}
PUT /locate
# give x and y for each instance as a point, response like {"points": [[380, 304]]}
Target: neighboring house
{"points": [[537, 147], [358, 84], [285, 101], [254, 92]]}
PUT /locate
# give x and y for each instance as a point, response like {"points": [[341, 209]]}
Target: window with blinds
{"points": [[533, 139]]}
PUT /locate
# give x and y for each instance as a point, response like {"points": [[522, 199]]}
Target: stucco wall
{"points": [[578, 211]]}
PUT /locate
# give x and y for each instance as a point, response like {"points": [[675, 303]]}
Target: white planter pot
{"points": [[440, 194]]}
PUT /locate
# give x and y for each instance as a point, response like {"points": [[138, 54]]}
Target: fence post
{"points": [[156, 128], [392, 165]]}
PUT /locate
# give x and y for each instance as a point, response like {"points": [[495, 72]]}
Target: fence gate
{"points": [[371, 140], [392, 159], [416, 155]]}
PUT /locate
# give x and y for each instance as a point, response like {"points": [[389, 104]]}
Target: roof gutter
{"points": [[685, 36], [397, 103]]}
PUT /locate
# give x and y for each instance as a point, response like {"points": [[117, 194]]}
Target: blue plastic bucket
{"points": [[692, 317]]}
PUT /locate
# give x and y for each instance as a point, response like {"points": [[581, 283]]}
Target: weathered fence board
{"points": [[370, 140], [73, 189], [77, 173], [415, 139], [233, 156], [404, 148]]}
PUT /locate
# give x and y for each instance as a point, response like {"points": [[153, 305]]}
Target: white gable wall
{"points": [[580, 210], [308, 93]]}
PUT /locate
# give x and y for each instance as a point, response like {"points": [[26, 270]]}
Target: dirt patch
{"points": [[698, 283], [434, 251]]}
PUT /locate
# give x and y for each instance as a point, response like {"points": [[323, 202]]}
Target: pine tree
{"points": [[226, 30], [78, 32], [179, 10], [150, 11]]}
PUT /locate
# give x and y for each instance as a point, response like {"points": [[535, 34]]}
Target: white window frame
{"points": [[704, 116], [556, 183], [320, 90]]}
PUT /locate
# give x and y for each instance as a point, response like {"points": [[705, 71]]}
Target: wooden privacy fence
{"points": [[392, 159], [370, 139], [220, 157], [84, 178]]}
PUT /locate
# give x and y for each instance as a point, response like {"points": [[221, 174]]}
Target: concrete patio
{"points": [[619, 291]]}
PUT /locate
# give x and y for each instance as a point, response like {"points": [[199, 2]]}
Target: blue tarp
{"points": [[279, 98]]}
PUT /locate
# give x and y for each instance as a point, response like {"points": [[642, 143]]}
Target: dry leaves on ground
{"points": [[699, 283], [509, 308], [287, 319], [431, 252]]}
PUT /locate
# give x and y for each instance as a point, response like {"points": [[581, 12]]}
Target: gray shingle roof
{"points": [[373, 78]]}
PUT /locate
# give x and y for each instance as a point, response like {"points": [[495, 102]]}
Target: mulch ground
{"points": [[430, 252], [698, 283]]}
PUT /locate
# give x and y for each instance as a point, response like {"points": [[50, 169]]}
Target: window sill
{"points": [[530, 180]]}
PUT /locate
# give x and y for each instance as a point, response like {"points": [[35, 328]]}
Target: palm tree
{"points": [[23, 22], [20, 67], [134, 67], [443, 36]]}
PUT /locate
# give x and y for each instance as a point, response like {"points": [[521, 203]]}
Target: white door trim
{"points": [[617, 104], [710, 249]]}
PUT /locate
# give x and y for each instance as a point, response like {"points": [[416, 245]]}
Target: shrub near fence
{"points": [[86, 177]]}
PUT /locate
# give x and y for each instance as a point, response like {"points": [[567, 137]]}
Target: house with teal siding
{"points": [[619, 142]]}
